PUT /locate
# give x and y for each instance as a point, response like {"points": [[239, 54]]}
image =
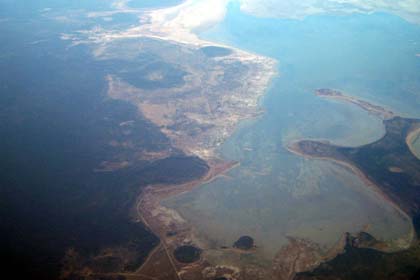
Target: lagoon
{"points": [[274, 194]]}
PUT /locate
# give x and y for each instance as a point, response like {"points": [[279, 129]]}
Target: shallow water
{"points": [[273, 193]]}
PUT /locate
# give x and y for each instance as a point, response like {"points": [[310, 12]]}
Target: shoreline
{"points": [[376, 110], [161, 220], [172, 230], [191, 39], [412, 136], [295, 149]]}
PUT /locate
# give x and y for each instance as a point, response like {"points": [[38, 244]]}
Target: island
{"points": [[244, 243]]}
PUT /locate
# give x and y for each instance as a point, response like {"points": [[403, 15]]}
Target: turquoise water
{"points": [[273, 193], [153, 3], [371, 56]]}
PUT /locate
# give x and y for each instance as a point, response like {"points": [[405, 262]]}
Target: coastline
{"points": [[160, 219], [172, 230], [412, 136], [177, 224], [411, 238], [379, 111]]}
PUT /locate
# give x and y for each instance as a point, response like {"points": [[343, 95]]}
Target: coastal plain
{"points": [[205, 98], [180, 142], [391, 167]]}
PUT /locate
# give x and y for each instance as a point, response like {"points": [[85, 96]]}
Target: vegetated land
{"points": [[193, 107], [198, 107], [218, 88], [87, 126], [73, 163], [388, 165]]}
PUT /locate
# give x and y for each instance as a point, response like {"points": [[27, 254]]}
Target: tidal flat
{"points": [[274, 195]]}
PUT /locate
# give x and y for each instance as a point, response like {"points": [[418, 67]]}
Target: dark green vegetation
{"points": [[57, 127], [365, 263], [212, 51], [244, 243], [387, 162], [187, 254], [363, 239], [390, 164]]}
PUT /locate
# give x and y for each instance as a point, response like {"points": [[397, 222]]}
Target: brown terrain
{"points": [[197, 112], [197, 116], [412, 137], [173, 230], [201, 112], [196, 99]]}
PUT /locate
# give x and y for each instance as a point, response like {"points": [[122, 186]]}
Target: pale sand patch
{"points": [[411, 138], [395, 169]]}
